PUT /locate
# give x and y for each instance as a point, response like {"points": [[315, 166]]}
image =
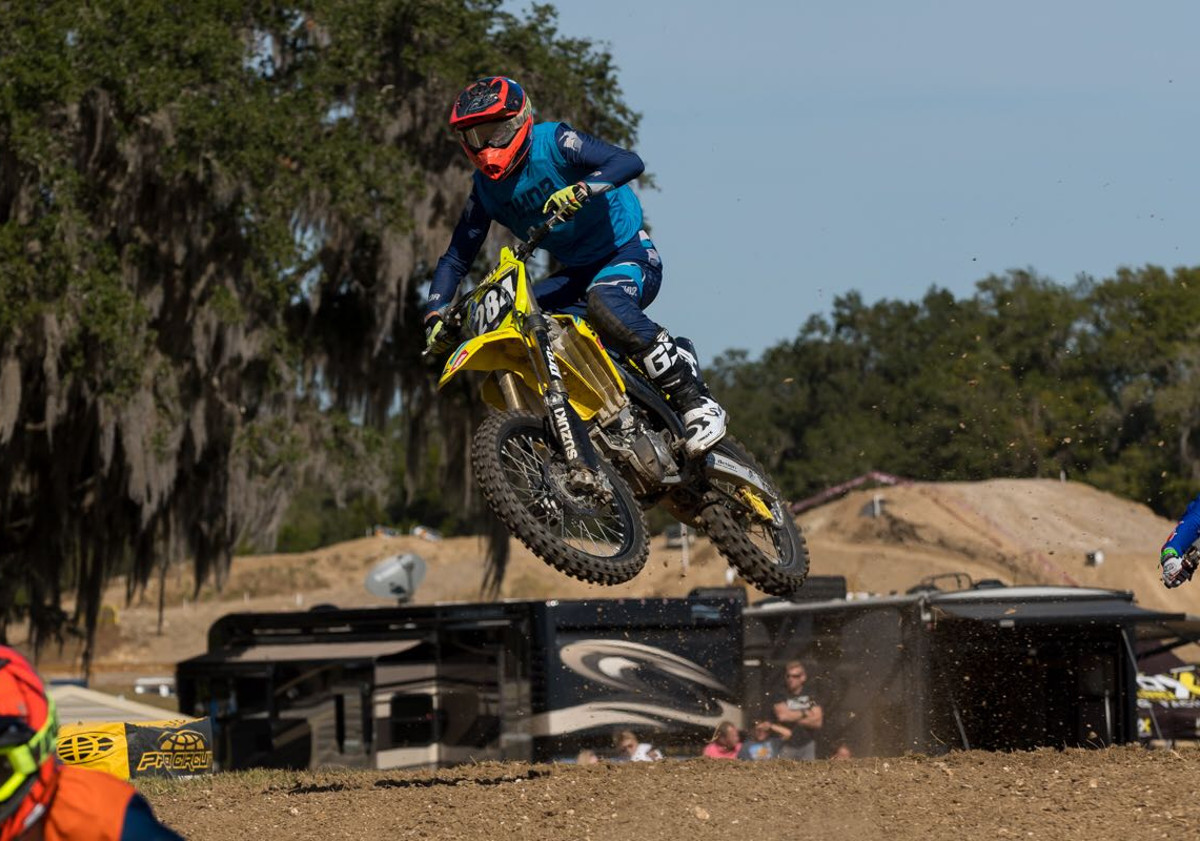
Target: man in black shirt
{"points": [[799, 712]]}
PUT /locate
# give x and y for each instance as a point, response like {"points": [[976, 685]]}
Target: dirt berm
{"points": [[1019, 531]]}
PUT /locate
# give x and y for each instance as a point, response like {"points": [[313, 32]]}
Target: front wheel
{"points": [[593, 530], [756, 534]]}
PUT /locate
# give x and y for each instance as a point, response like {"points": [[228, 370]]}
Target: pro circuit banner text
{"points": [[128, 750]]}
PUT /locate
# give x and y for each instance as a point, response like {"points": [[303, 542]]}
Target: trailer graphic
{"points": [[654, 688]]}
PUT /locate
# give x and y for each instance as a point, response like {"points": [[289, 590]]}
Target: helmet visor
{"points": [[497, 134]]}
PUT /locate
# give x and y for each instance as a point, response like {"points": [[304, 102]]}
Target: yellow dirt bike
{"points": [[582, 443]]}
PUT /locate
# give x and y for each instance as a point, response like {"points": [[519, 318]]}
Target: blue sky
{"points": [[806, 150]]}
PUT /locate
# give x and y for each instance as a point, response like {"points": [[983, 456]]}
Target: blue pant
{"points": [[611, 294]]}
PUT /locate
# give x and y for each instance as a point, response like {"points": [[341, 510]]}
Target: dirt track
{"points": [[1120, 793]]}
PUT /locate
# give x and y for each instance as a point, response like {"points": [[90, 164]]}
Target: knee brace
{"points": [[619, 320]]}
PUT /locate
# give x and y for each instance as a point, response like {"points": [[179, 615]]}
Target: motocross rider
{"points": [[1175, 567], [612, 271]]}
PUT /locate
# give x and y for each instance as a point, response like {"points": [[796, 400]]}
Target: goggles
{"points": [[496, 134], [20, 761]]}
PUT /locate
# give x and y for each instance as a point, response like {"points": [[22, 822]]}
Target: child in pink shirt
{"points": [[725, 743]]}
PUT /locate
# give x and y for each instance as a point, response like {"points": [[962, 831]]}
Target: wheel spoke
{"points": [[765, 538], [591, 529], [601, 535], [605, 538]]}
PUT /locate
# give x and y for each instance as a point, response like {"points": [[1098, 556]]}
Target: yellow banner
{"points": [[155, 748], [103, 747]]}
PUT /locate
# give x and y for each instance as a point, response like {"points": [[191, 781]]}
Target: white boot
{"points": [[705, 425], [674, 371]]}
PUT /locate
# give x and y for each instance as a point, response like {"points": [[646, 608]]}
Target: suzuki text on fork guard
{"points": [[582, 443]]}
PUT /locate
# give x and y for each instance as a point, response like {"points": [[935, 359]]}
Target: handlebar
{"points": [[1191, 558], [533, 238]]}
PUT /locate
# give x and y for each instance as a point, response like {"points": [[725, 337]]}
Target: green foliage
{"points": [[315, 519], [320, 512], [1024, 378], [209, 255]]}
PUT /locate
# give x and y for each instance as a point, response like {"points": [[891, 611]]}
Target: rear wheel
{"points": [[590, 527], [757, 534]]}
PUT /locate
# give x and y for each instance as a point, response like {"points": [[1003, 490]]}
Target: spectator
{"points": [[587, 756], [41, 798], [725, 743], [800, 712], [768, 741], [842, 752], [629, 749]]}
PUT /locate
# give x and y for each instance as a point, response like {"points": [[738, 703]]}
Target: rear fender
{"points": [[723, 467]]}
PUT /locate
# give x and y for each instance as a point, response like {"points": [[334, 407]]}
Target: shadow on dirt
{"points": [[422, 782]]}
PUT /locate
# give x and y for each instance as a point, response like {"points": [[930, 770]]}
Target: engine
{"points": [[644, 451]]}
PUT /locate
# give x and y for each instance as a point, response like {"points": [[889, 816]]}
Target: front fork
{"points": [[565, 424]]}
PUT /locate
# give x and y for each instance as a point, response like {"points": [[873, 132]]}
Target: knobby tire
{"points": [[726, 524], [488, 451]]}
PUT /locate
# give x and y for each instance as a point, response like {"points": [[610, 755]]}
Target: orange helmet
{"points": [[28, 730], [494, 119]]}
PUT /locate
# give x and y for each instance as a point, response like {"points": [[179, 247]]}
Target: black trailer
{"points": [[929, 671], [995, 668], [441, 685]]}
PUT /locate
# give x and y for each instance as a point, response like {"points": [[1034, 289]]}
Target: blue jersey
{"points": [[558, 157], [1187, 530]]}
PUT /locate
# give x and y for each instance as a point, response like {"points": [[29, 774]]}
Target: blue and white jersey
{"points": [[559, 156]]}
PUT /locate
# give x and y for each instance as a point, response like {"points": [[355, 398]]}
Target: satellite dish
{"points": [[396, 577]]}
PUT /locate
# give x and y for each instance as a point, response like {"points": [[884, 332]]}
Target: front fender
{"points": [[499, 350], [505, 350]]}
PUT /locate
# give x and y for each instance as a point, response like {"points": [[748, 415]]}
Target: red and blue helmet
{"points": [[494, 119]]}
